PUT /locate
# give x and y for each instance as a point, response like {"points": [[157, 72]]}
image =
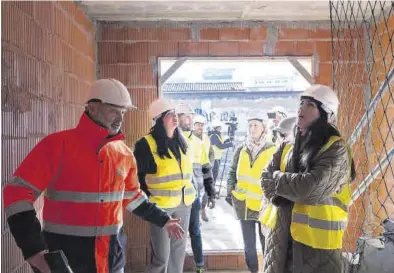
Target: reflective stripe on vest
{"points": [[18, 207], [248, 186], [218, 153], [170, 179], [317, 223], [320, 226], [88, 197], [82, 230], [172, 193], [17, 181]]}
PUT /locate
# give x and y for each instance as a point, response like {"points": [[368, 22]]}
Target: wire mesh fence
{"points": [[363, 72]]}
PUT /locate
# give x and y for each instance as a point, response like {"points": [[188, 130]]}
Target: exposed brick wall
{"points": [[48, 62], [129, 53], [382, 125]]}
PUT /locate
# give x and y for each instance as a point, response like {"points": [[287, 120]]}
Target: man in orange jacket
{"points": [[89, 175]]}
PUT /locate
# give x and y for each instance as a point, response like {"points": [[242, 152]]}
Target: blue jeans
{"points": [[249, 235], [195, 233]]}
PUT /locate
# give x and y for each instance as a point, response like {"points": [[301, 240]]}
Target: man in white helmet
{"points": [[198, 131], [277, 114], [202, 179], [88, 175]]}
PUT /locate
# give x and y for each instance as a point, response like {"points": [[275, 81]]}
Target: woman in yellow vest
{"points": [[243, 186], [165, 171], [308, 186]]}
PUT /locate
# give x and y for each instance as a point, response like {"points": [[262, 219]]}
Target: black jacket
{"points": [[216, 141]]}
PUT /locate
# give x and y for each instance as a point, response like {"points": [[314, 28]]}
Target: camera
{"points": [[232, 127]]}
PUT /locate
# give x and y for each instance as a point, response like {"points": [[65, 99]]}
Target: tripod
{"points": [[223, 169]]}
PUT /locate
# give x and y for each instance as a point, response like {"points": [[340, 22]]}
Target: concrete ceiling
{"points": [[207, 10]]}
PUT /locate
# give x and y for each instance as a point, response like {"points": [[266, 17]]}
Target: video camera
{"points": [[232, 127]]}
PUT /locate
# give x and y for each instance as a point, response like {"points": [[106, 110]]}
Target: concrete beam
{"points": [[172, 70], [301, 69]]}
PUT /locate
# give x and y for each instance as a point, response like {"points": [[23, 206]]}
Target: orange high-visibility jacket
{"points": [[87, 180]]}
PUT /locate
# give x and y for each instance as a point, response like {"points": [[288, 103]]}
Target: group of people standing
{"points": [[295, 191]]}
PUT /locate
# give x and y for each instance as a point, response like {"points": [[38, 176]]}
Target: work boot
{"points": [[200, 270], [204, 216]]}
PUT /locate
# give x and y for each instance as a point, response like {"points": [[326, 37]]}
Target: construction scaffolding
{"points": [[363, 73]]}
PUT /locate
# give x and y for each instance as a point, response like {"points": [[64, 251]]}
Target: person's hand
{"points": [[174, 229], [266, 180], [38, 261], [211, 202], [268, 185], [266, 175], [229, 200]]}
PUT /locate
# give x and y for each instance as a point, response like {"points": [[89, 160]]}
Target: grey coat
{"points": [[329, 171], [241, 211]]}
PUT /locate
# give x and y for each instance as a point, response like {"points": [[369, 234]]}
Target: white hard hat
{"points": [[279, 109], [184, 108], [286, 125], [111, 91], [325, 95], [199, 119], [216, 123], [158, 107], [256, 116]]}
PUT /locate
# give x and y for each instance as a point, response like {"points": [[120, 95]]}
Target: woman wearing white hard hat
{"points": [[284, 132], [307, 183], [243, 185], [165, 172]]}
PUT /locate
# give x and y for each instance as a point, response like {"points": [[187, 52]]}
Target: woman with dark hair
{"points": [[307, 184], [165, 172]]}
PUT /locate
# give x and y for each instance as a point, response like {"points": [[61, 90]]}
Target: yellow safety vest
{"points": [[218, 152], [320, 226], [171, 181], [248, 186], [206, 141], [200, 157]]}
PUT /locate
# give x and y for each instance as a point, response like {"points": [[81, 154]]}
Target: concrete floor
{"points": [[222, 232]]}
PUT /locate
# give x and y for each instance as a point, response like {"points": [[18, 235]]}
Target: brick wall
{"points": [[129, 53], [382, 125], [374, 52], [363, 58], [48, 62]]}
